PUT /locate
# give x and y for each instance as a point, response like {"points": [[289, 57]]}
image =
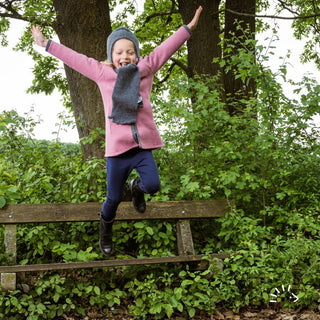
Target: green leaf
{"points": [[139, 225], [265, 296], [89, 289], [2, 201], [97, 290], [156, 309], [186, 282], [150, 231], [180, 306], [56, 297], [169, 310], [178, 293], [192, 312]]}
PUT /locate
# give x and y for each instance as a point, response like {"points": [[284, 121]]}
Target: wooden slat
{"points": [[184, 238], [8, 280], [106, 263], [64, 212]]}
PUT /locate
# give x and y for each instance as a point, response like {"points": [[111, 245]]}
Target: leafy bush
{"points": [[264, 157], [42, 171]]}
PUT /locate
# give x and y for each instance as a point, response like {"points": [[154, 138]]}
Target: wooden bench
{"points": [[179, 211]]}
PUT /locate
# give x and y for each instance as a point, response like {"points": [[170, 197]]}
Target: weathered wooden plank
{"points": [[106, 263], [184, 238], [64, 212], [8, 280], [10, 241]]}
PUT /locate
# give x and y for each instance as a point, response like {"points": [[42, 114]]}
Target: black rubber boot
{"points": [[137, 195], [105, 238]]}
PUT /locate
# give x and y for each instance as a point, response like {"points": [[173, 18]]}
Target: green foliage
{"points": [[58, 294], [160, 26], [169, 293], [265, 157], [4, 27], [41, 171], [306, 28], [153, 238], [271, 256], [259, 156], [38, 11]]}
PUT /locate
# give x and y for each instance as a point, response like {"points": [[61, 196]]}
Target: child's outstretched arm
{"points": [[89, 67], [194, 22], [38, 37]]}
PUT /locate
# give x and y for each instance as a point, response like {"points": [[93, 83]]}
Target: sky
{"points": [[16, 76]]}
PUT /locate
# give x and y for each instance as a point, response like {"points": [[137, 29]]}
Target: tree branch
{"points": [[270, 16], [168, 74], [178, 63], [10, 11], [315, 25], [13, 16], [285, 6], [154, 15]]}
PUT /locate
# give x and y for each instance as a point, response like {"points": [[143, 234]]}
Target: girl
{"points": [[125, 83]]}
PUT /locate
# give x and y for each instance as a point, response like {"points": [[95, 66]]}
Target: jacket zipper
{"points": [[135, 134]]}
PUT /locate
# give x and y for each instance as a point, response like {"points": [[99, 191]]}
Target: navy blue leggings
{"points": [[118, 171]]}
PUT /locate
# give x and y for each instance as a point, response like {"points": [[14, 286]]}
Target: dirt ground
{"points": [[221, 314], [266, 314]]}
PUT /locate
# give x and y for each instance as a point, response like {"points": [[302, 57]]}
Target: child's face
{"points": [[123, 53]]}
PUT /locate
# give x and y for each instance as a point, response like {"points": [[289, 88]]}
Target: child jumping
{"points": [[125, 82]]}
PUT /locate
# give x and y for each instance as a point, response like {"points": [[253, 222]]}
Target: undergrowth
{"points": [[264, 157]]}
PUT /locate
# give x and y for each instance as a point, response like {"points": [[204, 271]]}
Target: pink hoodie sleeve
{"points": [[92, 68], [89, 67]]}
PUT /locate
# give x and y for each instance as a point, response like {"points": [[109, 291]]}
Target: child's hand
{"points": [[38, 37], [193, 24]]}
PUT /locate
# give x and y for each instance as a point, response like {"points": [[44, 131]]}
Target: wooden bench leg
{"points": [[184, 238], [185, 246], [8, 280]]}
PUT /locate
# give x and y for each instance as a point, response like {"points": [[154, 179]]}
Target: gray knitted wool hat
{"points": [[121, 33]]}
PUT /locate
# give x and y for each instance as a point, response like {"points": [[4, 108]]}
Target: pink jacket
{"points": [[120, 138]]}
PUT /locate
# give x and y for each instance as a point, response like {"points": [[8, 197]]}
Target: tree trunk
{"points": [[203, 46], [235, 89], [84, 26]]}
